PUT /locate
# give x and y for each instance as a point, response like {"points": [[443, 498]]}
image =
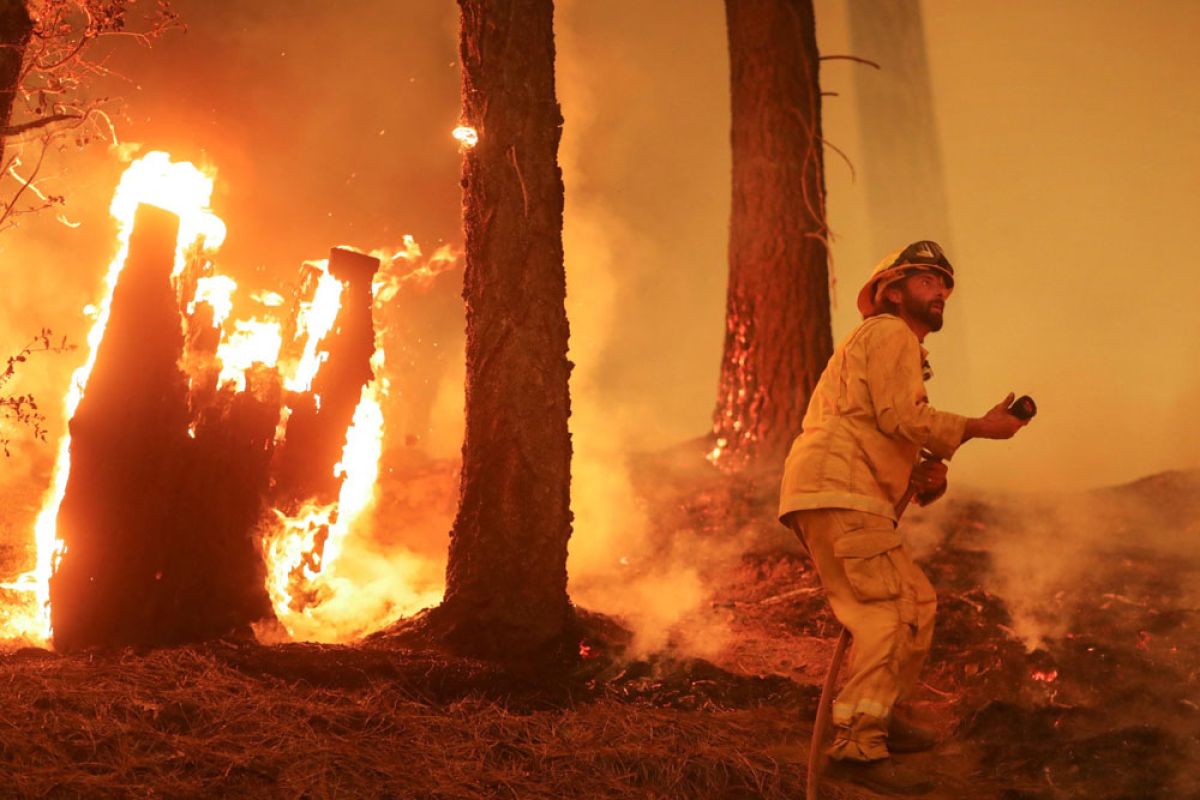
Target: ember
{"points": [[467, 136], [1045, 676]]}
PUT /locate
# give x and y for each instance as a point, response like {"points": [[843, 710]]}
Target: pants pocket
{"points": [[872, 578], [866, 556]]}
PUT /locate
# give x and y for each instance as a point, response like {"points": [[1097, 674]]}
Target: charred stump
{"points": [[778, 335], [164, 490], [316, 428], [119, 516], [506, 580]]}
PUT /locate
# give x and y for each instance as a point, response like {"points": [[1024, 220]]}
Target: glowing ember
{"points": [[714, 455], [252, 342], [1045, 676], [586, 651], [185, 191], [467, 136]]}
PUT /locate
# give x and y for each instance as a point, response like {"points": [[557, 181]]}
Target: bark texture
{"points": [[15, 29], [506, 580], [777, 326]]}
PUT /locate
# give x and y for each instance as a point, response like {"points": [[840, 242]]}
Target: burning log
{"points": [[316, 428]]}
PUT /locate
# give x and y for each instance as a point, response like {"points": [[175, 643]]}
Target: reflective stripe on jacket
{"points": [[866, 424]]}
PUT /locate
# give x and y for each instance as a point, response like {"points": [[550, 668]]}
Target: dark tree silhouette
{"points": [[777, 327], [506, 580], [16, 27]]}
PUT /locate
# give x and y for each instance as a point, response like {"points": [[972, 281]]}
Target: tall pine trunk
{"points": [[506, 580], [15, 29], [777, 326]]}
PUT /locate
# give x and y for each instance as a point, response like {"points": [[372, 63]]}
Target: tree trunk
{"points": [[15, 30], [506, 580], [777, 325]]}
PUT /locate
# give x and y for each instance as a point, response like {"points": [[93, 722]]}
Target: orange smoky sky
{"points": [[1067, 134]]}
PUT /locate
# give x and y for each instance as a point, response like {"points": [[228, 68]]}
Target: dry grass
{"points": [[210, 721]]}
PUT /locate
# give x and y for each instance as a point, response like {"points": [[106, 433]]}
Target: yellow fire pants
{"points": [[888, 605]]}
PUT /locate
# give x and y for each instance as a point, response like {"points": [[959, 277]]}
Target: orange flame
{"points": [[252, 342], [184, 190], [315, 319], [319, 592]]}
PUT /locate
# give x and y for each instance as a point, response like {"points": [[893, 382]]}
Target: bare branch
{"points": [[31, 125], [846, 158], [856, 59], [10, 209]]}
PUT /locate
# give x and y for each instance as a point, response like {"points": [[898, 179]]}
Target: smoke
{"points": [[1050, 552], [626, 296]]}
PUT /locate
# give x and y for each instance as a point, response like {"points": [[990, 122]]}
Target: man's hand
{"points": [[997, 423], [928, 480]]}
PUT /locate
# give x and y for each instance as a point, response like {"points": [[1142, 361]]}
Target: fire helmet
{"points": [[918, 256]]}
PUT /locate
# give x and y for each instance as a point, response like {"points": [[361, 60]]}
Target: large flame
{"points": [[155, 180]]}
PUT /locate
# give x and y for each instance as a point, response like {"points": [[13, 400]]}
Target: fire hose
{"points": [[1023, 408]]}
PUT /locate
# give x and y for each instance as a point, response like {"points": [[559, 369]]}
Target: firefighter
{"points": [[867, 425]]}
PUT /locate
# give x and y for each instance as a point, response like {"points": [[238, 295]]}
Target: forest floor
{"points": [[1065, 665]]}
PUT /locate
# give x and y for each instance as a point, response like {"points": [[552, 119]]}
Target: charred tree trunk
{"points": [[506, 581], [15, 29], [128, 441], [777, 326], [158, 525], [316, 430]]}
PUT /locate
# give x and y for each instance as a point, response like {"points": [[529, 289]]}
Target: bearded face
{"points": [[923, 298], [927, 310]]}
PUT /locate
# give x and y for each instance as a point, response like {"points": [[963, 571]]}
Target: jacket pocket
{"points": [[866, 556]]}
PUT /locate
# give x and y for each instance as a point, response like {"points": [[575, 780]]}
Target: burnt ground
{"points": [[1103, 703]]}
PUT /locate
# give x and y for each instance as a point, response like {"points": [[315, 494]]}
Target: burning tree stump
{"points": [[128, 444], [157, 524], [316, 429]]}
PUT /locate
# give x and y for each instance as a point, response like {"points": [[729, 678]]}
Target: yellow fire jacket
{"points": [[866, 424]]}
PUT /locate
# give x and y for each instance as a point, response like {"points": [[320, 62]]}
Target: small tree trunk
{"points": [[777, 327], [506, 580], [15, 29]]}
